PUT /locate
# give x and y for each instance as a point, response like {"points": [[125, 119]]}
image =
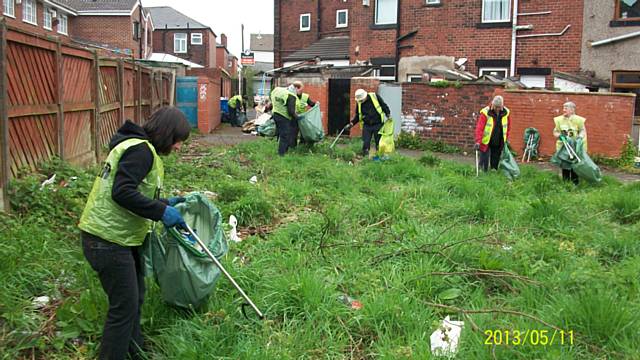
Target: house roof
{"points": [[169, 18], [102, 6], [260, 67], [168, 58], [261, 42], [331, 48]]}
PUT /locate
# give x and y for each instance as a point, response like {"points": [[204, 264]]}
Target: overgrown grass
{"points": [[415, 142], [399, 236]]}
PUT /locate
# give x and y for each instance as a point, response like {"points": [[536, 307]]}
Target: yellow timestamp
{"points": [[532, 337]]}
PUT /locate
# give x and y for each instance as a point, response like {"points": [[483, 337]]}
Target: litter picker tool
{"points": [[477, 165], [572, 153], [337, 137], [527, 149], [226, 274]]}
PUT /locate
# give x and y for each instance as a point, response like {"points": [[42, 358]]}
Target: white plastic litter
{"points": [[262, 119], [253, 180], [48, 182], [233, 234], [41, 301], [444, 341]]}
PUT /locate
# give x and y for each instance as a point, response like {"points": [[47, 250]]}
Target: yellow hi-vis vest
{"points": [[279, 97], [376, 104], [301, 103], [488, 127], [233, 102], [103, 217], [572, 125]]}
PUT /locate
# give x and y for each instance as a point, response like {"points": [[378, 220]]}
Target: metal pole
{"points": [[336, 140], [224, 271]]}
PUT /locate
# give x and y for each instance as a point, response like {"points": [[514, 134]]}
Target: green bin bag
{"points": [[562, 158], [186, 276], [268, 129], [387, 144], [310, 125], [535, 143], [585, 168], [508, 164]]}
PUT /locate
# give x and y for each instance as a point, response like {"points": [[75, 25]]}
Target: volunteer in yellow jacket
{"points": [[370, 113], [303, 102], [123, 203], [569, 126], [237, 104]]}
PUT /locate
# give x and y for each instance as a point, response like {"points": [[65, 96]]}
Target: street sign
{"points": [[247, 58]]}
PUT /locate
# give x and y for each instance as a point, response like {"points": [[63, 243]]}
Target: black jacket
{"points": [[134, 165], [370, 115]]}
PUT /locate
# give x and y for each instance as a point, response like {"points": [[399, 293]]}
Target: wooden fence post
{"points": [[60, 97], [96, 98], [121, 89], [152, 87], [4, 120], [139, 94]]}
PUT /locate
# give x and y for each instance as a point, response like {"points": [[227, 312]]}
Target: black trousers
{"points": [[570, 175], [491, 156], [295, 130], [368, 132], [121, 274], [285, 133]]}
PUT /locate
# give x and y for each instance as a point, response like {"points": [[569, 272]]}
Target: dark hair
{"points": [[165, 127]]}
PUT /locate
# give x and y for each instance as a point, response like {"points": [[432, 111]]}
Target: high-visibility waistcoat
{"points": [[103, 217], [279, 97], [301, 103], [572, 125], [233, 102], [376, 105], [488, 127]]}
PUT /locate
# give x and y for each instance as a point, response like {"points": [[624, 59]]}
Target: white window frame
{"points": [[198, 35], [486, 70], [63, 19], [11, 6], [376, 73], [46, 15], [433, 2], [375, 19], [346, 18], [308, 28], [34, 6], [414, 76], [182, 41], [497, 21]]}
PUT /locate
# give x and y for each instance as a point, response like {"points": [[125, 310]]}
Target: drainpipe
{"points": [[319, 23], [140, 37], [514, 30], [397, 41]]}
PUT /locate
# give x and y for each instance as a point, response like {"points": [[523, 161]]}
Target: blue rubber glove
{"points": [[173, 201], [172, 217]]}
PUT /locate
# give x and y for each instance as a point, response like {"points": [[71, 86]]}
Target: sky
{"points": [[226, 16]]}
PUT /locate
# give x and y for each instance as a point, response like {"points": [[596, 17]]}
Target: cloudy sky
{"points": [[226, 16]]}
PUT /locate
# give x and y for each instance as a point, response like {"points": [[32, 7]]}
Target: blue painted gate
{"points": [[187, 97]]}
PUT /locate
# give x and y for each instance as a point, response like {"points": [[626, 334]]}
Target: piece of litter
{"points": [[444, 341], [48, 182], [210, 194], [233, 234], [73, 178], [253, 180], [506, 247], [351, 302], [41, 301]]}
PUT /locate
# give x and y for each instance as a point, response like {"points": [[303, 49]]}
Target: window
{"points": [[385, 72], [412, 78], [386, 12], [29, 12], [136, 30], [627, 9], [63, 24], [342, 18], [46, 20], [496, 11], [196, 39], [180, 43], [627, 82], [498, 72], [305, 22], [534, 81], [9, 8], [433, 2]]}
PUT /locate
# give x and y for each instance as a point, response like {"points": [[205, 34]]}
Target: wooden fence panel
{"points": [[78, 107], [146, 95], [129, 92], [109, 117]]}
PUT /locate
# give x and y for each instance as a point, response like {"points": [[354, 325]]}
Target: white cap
{"points": [[361, 95]]}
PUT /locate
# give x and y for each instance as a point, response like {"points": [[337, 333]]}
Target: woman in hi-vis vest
{"points": [[123, 204]]}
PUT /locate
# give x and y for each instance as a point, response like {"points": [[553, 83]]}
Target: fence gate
{"points": [[187, 97], [392, 95]]}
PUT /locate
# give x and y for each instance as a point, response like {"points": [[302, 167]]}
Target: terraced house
{"points": [[529, 40], [120, 27]]}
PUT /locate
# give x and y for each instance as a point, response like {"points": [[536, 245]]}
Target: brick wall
{"points": [[38, 29], [609, 118], [328, 17], [448, 115], [113, 31], [289, 38], [369, 85], [318, 90], [208, 98], [199, 54]]}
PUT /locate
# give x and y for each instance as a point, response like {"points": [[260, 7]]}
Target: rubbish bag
{"points": [[585, 168], [310, 125], [562, 158], [268, 129], [186, 275], [240, 119], [535, 141], [508, 164], [387, 144]]}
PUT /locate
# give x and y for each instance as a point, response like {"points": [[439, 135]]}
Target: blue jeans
{"points": [[121, 274]]}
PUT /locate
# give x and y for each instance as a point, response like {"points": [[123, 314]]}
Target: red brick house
{"points": [[182, 36], [525, 39], [120, 26], [228, 64]]}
